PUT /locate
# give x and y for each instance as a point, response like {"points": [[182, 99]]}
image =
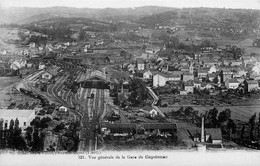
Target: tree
{"points": [[28, 135], [224, 116], [242, 132], [81, 35], [252, 124], [16, 123], [10, 137], [1, 124], [258, 125], [205, 43], [72, 140], [38, 143], [231, 127], [59, 127], [211, 118], [36, 122], [139, 92], [123, 53], [44, 122], [188, 111], [215, 80], [15, 139]]}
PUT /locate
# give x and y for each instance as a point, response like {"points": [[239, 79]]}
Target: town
{"points": [[171, 80]]}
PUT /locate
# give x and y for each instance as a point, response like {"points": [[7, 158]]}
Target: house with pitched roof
{"points": [[227, 74], [50, 73], [187, 76], [212, 76], [251, 85], [189, 87], [213, 135], [197, 83], [202, 73], [236, 63], [160, 79], [231, 83], [140, 64], [148, 75], [205, 85]]}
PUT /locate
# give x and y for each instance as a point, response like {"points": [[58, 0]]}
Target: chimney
{"points": [[202, 130]]}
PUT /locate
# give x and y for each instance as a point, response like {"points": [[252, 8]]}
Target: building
{"points": [[231, 83], [32, 45], [140, 64], [148, 75], [187, 76], [209, 63], [149, 50], [148, 56], [153, 113], [209, 135], [189, 87], [256, 69], [48, 74], [213, 135], [212, 76], [97, 79], [24, 116], [130, 67], [63, 109], [41, 66], [126, 129], [212, 69], [160, 79], [252, 85], [197, 84], [205, 85], [240, 73], [202, 73], [236, 63]]}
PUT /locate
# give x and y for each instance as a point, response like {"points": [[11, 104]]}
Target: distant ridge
{"points": [[146, 14]]}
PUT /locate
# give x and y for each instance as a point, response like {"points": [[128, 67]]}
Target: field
{"points": [[242, 113], [7, 81], [8, 35], [5, 87]]}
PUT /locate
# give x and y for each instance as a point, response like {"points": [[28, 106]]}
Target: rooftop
{"points": [[52, 72], [15, 113], [139, 60], [215, 133], [252, 82], [233, 81], [95, 73]]}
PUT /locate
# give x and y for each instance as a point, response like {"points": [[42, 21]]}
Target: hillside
{"points": [[27, 15], [193, 16]]}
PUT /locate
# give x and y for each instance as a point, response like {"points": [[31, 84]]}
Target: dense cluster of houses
{"points": [[201, 70]]}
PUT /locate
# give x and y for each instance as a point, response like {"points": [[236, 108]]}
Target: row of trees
{"points": [[12, 138], [216, 119], [172, 42], [213, 119], [33, 138]]}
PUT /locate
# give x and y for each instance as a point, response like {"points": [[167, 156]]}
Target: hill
{"points": [[23, 15]]}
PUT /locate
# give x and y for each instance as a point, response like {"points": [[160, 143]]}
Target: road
{"points": [[155, 100]]}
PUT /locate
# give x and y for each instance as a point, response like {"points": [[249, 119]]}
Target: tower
{"points": [[202, 130]]}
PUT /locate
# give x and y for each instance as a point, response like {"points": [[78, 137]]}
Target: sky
{"points": [[242, 4]]}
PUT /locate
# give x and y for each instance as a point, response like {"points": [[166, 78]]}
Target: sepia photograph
{"points": [[127, 82]]}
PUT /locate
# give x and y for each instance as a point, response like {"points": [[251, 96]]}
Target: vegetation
{"points": [[139, 93]]}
